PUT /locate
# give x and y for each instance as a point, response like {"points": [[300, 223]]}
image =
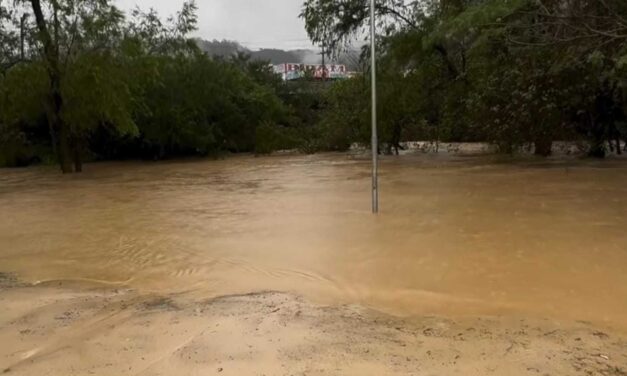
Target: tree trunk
{"points": [[543, 147], [63, 149], [597, 149], [78, 162], [51, 56], [396, 138], [76, 155], [597, 133], [59, 128]]}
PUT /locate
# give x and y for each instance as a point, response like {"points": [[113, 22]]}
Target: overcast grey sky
{"points": [[254, 23]]}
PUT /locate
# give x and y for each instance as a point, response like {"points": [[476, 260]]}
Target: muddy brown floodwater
{"points": [[457, 236]]}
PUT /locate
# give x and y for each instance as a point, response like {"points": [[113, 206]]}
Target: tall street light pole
{"points": [[375, 141], [22, 35]]}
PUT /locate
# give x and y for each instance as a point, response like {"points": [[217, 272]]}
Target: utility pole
{"points": [[324, 67], [22, 35], [375, 139]]}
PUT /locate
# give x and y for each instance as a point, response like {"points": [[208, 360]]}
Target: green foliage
{"points": [[196, 105], [135, 88], [22, 90], [514, 72], [9, 38], [334, 24], [346, 115], [517, 73], [96, 92], [271, 137]]}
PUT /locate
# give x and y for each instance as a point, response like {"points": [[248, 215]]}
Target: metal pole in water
{"points": [[375, 141]]}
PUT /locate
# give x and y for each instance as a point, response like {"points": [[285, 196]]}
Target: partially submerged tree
{"points": [[78, 42]]}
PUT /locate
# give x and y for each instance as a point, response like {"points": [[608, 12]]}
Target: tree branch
{"points": [[449, 65], [387, 10]]}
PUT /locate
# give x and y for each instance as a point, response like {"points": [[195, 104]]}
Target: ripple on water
{"points": [[457, 234]]}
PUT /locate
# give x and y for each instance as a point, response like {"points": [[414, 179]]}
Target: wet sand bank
{"points": [[75, 329]]}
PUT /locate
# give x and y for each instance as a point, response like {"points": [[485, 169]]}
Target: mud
{"points": [[63, 331]]}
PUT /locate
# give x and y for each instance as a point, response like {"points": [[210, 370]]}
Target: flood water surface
{"points": [[456, 235]]}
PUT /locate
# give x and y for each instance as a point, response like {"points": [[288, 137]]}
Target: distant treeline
{"points": [[516, 73], [80, 80]]}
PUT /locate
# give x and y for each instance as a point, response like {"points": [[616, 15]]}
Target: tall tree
{"points": [[54, 106], [79, 44]]}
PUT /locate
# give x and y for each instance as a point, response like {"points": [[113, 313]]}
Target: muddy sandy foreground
{"points": [[82, 330]]}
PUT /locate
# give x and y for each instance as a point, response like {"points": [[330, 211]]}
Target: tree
{"points": [[9, 39], [587, 40], [78, 42], [515, 72], [345, 116]]}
